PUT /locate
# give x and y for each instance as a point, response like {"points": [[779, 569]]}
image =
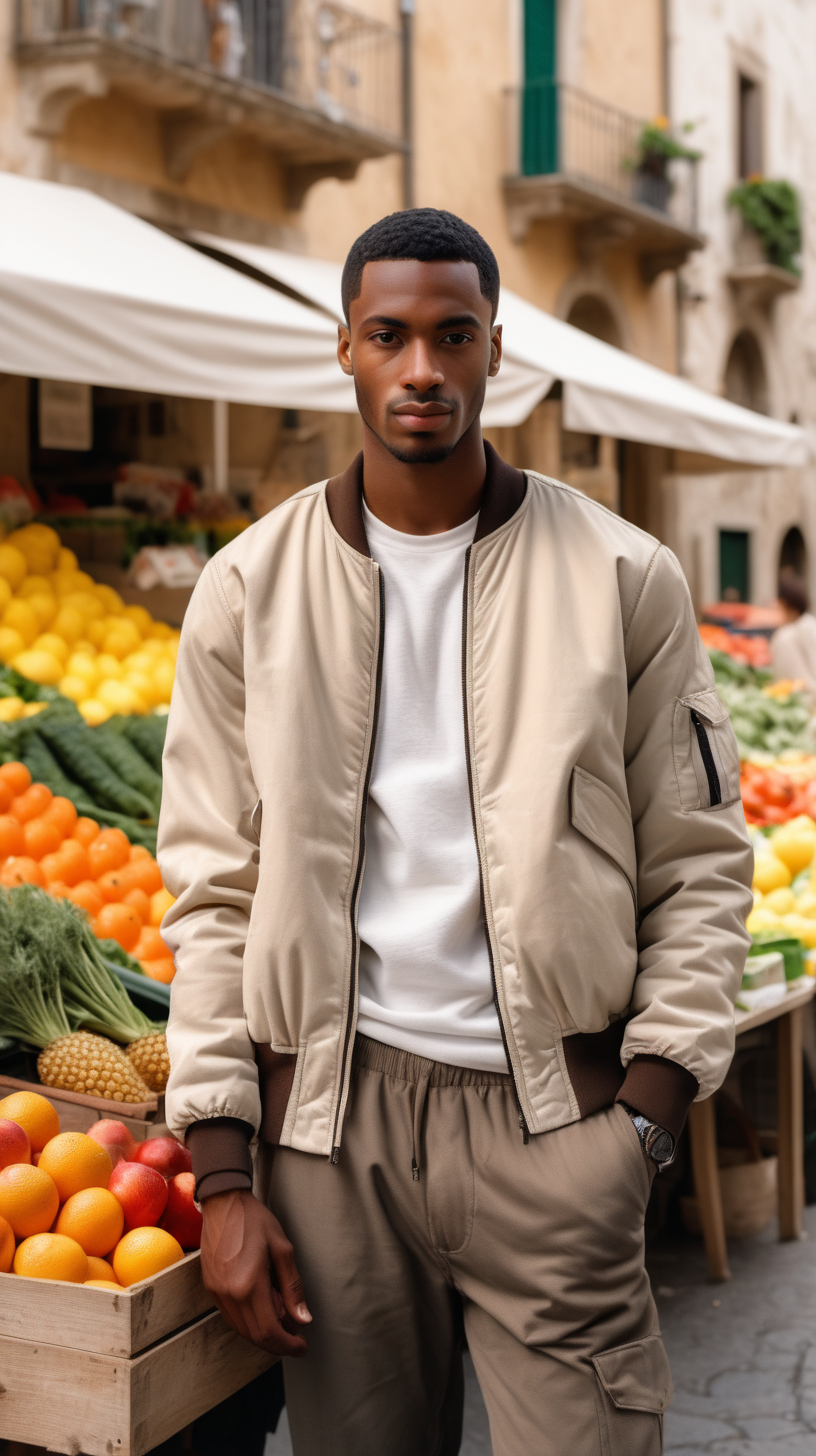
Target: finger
{"points": [[265, 1314], [233, 1314], [289, 1281]]}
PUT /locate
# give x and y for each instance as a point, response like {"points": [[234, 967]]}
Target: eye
{"points": [[456, 339], [385, 336]]}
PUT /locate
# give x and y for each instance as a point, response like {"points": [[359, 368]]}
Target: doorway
{"points": [[735, 573], [793, 554]]}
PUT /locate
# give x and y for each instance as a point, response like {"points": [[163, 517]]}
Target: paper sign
{"points": [[65, 415]]}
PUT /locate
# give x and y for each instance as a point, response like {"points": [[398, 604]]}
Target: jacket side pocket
{"points": [[598, 814], [706, 758]]}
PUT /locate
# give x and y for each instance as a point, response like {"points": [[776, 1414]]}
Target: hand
{"points": [[240, 1240]]}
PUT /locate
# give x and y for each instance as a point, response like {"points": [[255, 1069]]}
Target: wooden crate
{"points": [[77, 1112], [104, 1371]]}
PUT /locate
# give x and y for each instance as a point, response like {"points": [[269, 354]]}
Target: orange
{"points": [[21, 870], [51, 1256], [163, 970], [11, 836], [138, 851], [141, 904], [74, 857], [29, 1200], [59, 890], [144, 874], [94, 1218], [33, 801], [116, 922], [150, 946], [115, 884], [6, 796], [35, 1114], [99, 1268], [142, 1252], [85, 830], [62, 813], [88, 894], [75, 1162], [41, 837], [6, 1246], [109, 851], [53, 867], [17, 776], [102, 1284], [159, 905]]}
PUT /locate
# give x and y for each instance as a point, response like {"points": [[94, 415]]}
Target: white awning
{"points": [[91, 294], [606, 391]]}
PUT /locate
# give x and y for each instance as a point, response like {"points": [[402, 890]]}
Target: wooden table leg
{"points": [[790, 1125], [703, 1138]]}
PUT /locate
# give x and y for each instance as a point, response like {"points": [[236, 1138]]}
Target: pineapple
{"points": [[82, 1062], [149, 1057]]}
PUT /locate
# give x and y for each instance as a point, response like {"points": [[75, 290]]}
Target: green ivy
{"points": [[772, 210], [657, 141]]}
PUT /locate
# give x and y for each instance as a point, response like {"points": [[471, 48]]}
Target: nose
{"points": [[420, 369]]}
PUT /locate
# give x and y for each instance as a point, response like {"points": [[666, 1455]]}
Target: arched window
{"points": [[592, 316], [793, 553], [745, 379]]}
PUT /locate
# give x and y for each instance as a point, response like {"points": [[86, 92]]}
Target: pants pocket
{"points": [[635, 1389]]}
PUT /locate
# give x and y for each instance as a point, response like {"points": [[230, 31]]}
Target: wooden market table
{"points": [[790, 1132]]}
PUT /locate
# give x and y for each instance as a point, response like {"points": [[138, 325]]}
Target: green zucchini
{"points": [[148, 735], [126, 760]]}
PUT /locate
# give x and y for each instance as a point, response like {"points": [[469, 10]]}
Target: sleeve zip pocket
{"points": [[706, 758]]}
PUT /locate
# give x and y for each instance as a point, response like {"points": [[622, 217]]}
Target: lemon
{"points": [[806, 904], [771, 874], [119, 697], [13, 565], [23, 619], [795, 846], [94, 712], [121, 639], [11, 709], [10, 643], [32, 709], [803, 928], [153, 647], [40, 667], [35, 586], [96, 633], [66, 560], [44, 608], [80, 665], [69, 623], [782, 901], [144, 686], [107, 666], [161, 631], [138, 662], [85, 647], [141, 619], [86, 603], [50, 642], [110, 599], [164, 674], [5, 594], [761, 919], [75, 688]]}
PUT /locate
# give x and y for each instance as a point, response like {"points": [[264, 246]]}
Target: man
{"points": [[452, 812], [793, 645]]}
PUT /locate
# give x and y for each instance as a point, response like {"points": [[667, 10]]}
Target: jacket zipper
{"points": [[714, 790], [525, 1131], [358, 877]]}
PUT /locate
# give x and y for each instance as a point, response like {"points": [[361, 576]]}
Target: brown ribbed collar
{"points": [[503, 493]]}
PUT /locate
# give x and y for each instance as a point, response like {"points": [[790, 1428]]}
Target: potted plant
{"points": [[771, 212], [656, 147]]}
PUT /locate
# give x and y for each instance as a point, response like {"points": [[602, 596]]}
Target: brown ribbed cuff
{"points": [[219, 1147], [659, 1089]]}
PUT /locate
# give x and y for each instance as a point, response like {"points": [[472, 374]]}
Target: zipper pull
{"points": [[335, 1156], [525, 1131]]}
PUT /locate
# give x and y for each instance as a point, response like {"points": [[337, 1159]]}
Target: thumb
{"points": [[289, 1281]]}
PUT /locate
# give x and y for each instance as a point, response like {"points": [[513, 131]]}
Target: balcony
{"points": [[319, 83], [756, 282], [571, 156]]}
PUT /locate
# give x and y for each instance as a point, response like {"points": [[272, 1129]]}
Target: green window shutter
{"points": [[539, 107], [735, 564]]}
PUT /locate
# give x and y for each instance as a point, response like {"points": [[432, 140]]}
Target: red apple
{"points": [[14, 1144], [142, 1193], [166, 1154], [115, 1138], [181, 1217]]}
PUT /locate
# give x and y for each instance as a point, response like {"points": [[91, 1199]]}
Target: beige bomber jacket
{"points": [[604, 775]]}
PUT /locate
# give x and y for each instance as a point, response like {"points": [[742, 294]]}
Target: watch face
{"points": [[660, 1145]]}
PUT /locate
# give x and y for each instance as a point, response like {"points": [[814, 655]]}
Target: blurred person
{"points": [[454, 823], [793, 645], [227, 47]]}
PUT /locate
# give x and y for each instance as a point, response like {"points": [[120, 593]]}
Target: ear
{"points": [[495, 350], [344, 349]]}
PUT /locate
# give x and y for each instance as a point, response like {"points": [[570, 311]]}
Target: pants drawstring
{"points": [[420, 1097]]}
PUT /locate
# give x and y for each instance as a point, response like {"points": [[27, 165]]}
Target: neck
{"points": [[423, 500]]}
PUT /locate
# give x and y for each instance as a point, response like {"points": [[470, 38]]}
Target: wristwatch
{"points": [[656, 1142]]}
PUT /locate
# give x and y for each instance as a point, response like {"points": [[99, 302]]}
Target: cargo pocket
{"points": [[635, 1388], [598, 814], [706, 757]]}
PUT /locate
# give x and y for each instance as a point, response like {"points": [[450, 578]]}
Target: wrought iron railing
{"points": [[319, 52], [555, 128]]}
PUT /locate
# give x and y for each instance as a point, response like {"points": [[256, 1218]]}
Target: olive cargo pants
{"points": [[539, 1247]]}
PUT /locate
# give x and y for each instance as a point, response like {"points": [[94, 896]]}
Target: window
{"points": [[734, 566], [749, 126], [793, 553], [745, 379]]}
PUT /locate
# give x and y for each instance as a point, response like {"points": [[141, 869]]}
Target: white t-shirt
{"points": [[425, 982]]}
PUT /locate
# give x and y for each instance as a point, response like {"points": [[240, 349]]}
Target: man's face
{"points": [[420, 346]]}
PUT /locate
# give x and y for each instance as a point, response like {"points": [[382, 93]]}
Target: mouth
{"points": [[422, 418]]}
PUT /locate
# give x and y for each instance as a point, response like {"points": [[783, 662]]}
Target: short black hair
{"points": [[428, 234], [793, 591]]}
